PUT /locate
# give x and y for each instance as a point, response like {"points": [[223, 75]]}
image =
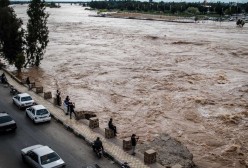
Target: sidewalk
{"points": [[112, 147]]}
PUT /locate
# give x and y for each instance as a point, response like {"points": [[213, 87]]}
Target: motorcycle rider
{"points": [[97, 145], [4, 79], [13, 91], [125, 165]]}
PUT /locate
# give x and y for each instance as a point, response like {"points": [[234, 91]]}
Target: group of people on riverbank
{"points": [[134, 138], [69, 106]]}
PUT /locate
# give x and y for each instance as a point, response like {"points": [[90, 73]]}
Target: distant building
{"points": [[150, 1], [206, 5]]}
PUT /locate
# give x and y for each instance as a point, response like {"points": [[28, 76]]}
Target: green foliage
{"points": [[11, 34], [4, 3], [103, 10], [193, 10], [196, 18], [37, 32], [20, 61], [168, 7], [52, 5]]}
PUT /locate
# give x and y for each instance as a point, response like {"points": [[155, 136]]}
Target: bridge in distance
{"points": [[85, 3]]}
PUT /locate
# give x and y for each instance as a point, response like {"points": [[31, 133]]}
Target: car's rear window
{"points": [[27, 98], [5, 119], [51, 157], [41, 112]]}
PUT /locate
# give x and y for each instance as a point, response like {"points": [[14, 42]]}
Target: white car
{"points": [[23, 100], [38, 113], [40, 156]]}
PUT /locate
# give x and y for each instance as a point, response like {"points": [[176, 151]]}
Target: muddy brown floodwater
{"points": [[187, 80]]}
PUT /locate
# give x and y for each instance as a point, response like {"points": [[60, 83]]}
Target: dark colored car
{"points": [[6, 123]]}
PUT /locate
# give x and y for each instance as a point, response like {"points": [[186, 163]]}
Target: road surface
{"points": [[73, 150]]}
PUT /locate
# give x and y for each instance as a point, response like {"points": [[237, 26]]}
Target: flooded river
{"points": [[187, 80]]}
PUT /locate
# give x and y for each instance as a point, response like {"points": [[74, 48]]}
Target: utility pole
{"points": [[236, 10]]}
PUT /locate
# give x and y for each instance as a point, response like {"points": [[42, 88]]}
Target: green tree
{"points": [[4, 3], [11, 33], [192, 10], [37, 32], [19, 62]]}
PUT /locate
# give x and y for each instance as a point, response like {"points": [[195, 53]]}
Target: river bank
{"points": [[142, 16]]}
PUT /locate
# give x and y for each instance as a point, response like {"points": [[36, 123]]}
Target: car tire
{"points": [[19, 107], [34, 121], [26, 114]]}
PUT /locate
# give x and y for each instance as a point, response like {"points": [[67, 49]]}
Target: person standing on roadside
{"points": [[2, 78], [134, 140], [112, 126], [28, 83], [66, 104], [58, 98], [71, 108]]}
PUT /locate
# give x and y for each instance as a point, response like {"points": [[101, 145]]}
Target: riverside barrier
{"points": [[114, 150]]}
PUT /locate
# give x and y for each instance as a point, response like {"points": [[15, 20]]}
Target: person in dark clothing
{"points": [[71, 108], [58, 98], [67, 99], [97, 145], [4, 79], [134, 140], [3, 74], [112, 126], [28, 82], [66, 102]]}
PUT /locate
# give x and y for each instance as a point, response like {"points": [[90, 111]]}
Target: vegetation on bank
{"points": [[37, 32], [52, 5], [20, 47], [11, 35], [173, 8]]}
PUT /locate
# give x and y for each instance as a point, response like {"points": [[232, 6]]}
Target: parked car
{"points": [[23, 100], [40, 156], [6, 123], [38, 113]]}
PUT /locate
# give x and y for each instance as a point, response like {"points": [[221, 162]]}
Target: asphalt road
{"points": [[73, 150]]}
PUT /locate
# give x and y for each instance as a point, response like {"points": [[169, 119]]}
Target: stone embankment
{"points": [[171, 153]]}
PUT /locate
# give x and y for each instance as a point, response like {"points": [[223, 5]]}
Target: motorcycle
{"points": [[13, 91], [125, 165], [98, 151]]}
